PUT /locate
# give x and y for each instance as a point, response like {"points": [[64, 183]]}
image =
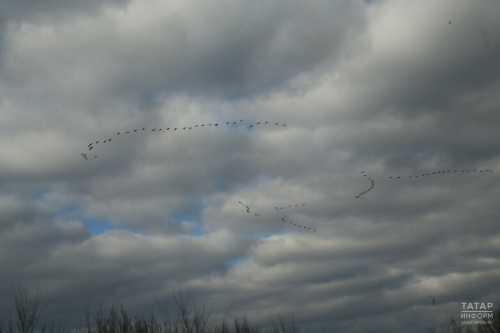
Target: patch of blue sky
{"points": [[192, 214], [98, 226], [233, 263], [39, 196], [68, 211]]}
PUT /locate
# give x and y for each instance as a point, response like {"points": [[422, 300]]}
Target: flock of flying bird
{"points": [[91, 145], [282, 219], [442, 172], [422, 175], [369, 189], [372, 182], [399, 285]]}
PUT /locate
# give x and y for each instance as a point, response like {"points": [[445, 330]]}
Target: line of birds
{"points": [[285, 207], [416, 176], [369, 189], [295, 225], [91, 145], [399, 285], [247, 208], [283, 219], [442, 172]]}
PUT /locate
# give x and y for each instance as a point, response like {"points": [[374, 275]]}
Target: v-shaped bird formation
{"points": [[294, 224], [180, 128]]}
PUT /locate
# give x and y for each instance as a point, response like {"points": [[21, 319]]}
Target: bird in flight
{"points": [[433, 301]]}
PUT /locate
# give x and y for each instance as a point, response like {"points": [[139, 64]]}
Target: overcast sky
{"points": [[367, 91]]}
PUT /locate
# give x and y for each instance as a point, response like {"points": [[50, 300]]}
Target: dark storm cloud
{"points": [[385, 89], [238, 49]]}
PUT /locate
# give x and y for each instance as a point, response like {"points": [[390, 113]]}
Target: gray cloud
{"points": [[382, 89]]}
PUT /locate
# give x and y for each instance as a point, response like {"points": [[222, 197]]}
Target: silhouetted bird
{"points": [[175, 129], [266, 122], [135, 130], [216, 124]]}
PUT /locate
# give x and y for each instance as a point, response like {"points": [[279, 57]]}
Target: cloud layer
{"points": [[367, 91]]}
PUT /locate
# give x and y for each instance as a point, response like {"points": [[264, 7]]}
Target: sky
{"points": [[288, 209]]}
